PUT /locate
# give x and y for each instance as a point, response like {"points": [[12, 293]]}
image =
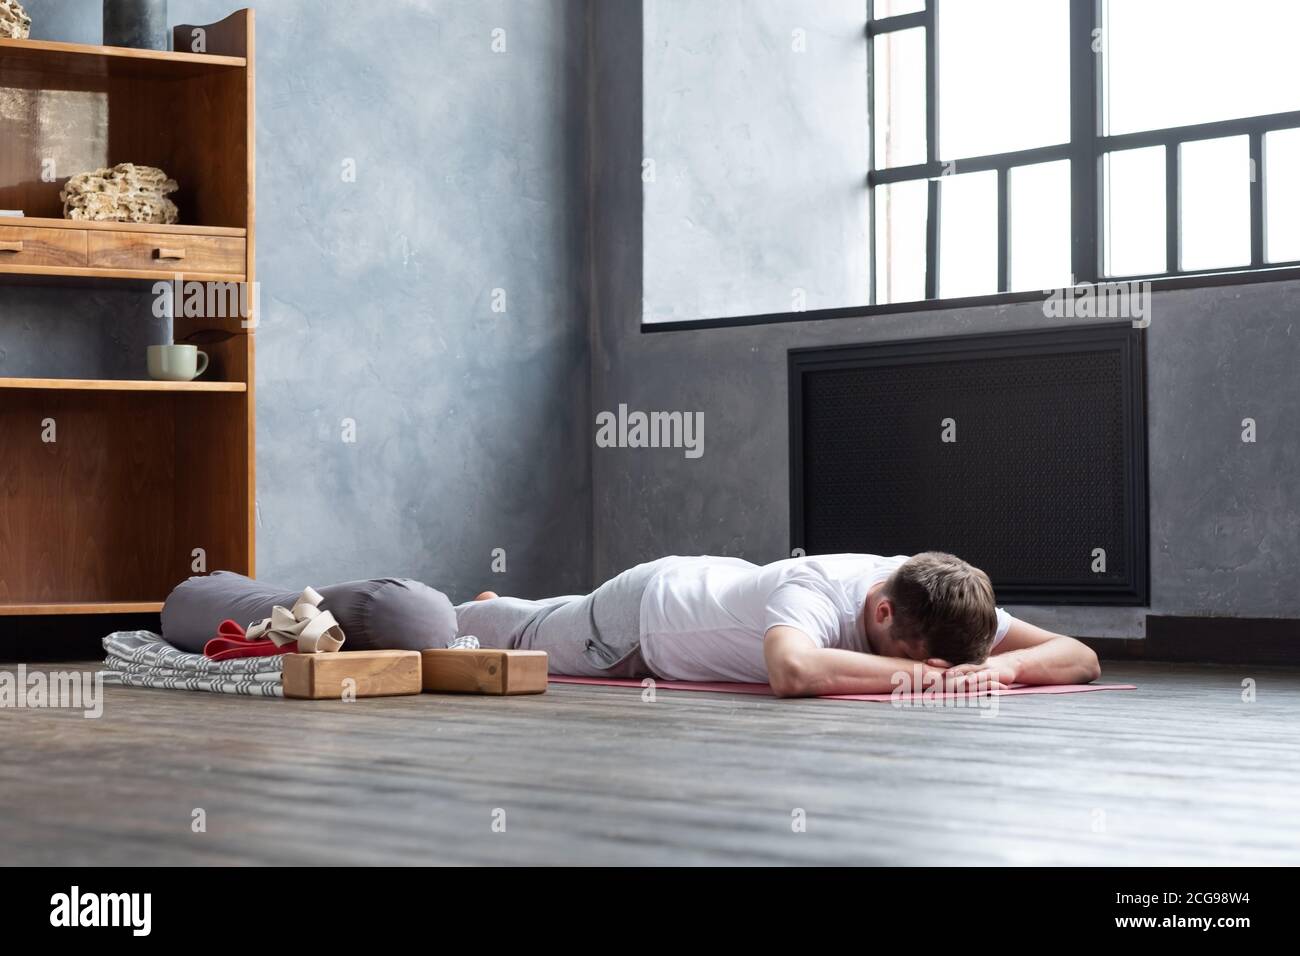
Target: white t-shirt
{"points": [[703, 619]]}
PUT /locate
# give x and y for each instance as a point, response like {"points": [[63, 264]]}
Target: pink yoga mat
{"points": [[762, 690]]}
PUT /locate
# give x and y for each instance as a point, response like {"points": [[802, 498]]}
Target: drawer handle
{"points": [[169, 255], [14, 245]]}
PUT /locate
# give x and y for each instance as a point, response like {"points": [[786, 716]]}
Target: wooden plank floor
{"points": [[1180, 771]]}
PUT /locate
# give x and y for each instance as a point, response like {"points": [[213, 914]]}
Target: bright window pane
{"points": [[968, 234], [893, 8], [1282, 195], [900, 241], [900, 98], [1215, 199], [1004, 75], [1177, 62], [1040, 226], [1135, 212]]}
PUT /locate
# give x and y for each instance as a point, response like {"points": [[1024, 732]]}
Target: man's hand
{"points": [[798, 667], [1002, 669], [1032, 655], [935, 675]]}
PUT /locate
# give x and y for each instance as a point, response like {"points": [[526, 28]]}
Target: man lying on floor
{"points": [[836, 624]]}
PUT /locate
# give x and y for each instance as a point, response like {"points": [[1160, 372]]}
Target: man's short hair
{"points": [[944, 606]]}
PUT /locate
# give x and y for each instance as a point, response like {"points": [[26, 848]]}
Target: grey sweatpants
{"points": [[593, 635]]}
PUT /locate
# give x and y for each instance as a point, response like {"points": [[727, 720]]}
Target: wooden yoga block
{"points": [[484, 671], [374, 673]]}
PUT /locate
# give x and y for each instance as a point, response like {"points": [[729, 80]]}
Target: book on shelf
{"points": [[11, 214]]}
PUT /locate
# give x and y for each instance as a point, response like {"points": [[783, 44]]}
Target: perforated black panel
{"points": [[1047, 468]]}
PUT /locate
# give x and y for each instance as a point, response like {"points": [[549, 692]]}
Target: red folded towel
{"points": [[232, 642]]}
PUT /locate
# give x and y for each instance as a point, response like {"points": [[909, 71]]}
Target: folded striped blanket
{"points": [[143, 659]]}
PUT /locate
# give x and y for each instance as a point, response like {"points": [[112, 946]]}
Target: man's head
{"points": [[934, 606]]}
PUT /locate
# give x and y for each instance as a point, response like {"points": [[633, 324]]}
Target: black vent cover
{"points": [[1048, 465]]}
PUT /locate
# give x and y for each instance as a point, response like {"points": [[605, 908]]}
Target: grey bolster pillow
{"points": [[383, 614]]}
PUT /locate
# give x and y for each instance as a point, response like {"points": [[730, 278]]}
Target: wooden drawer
{"points": [[156, 252], [30, 246]]}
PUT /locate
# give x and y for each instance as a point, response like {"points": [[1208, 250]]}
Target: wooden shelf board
{"points": [[93, 607], [87, 272], [112, 385], [90, 60], [180, 229]]}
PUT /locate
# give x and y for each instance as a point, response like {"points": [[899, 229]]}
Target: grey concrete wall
{"points": [[1225, 515], [377, 295], [755, 117]]}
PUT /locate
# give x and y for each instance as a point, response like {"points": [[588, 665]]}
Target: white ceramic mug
{"points": [[176, 363]]}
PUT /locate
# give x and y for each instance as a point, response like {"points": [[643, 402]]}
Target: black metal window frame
{"points": [[1088, 146]]}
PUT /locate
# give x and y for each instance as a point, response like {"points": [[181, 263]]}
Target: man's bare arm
{"points": [[1033, 655], [798, 667]]}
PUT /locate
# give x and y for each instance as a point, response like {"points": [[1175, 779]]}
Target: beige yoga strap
{"points": [[315, 631]]}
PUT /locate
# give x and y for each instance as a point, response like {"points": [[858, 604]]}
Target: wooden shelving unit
{"points": [[111, 491]]}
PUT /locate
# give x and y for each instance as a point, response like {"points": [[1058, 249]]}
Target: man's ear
{"points": [[884, 611]]}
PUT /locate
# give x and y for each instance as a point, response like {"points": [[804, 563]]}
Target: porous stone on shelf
{"points": [[124, 193], [15, 24]]}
